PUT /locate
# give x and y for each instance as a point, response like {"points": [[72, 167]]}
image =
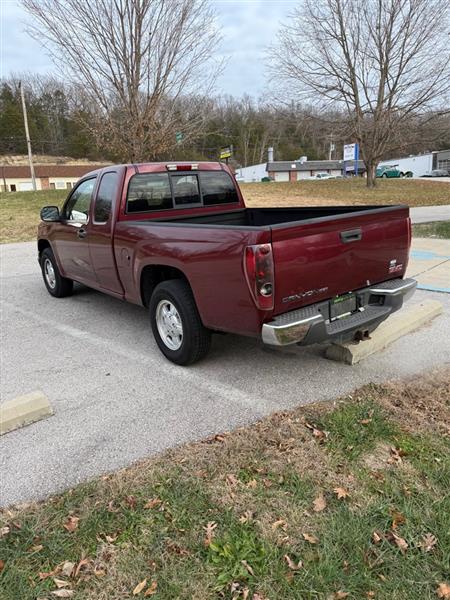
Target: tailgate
{"points": [[328, 256]]}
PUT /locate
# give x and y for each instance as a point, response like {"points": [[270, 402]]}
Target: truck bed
{"points": [[269, 217]]}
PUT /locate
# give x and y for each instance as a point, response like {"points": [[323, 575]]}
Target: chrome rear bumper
{"points": [[311, 325]]}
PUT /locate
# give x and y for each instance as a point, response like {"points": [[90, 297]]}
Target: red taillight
{"points": [[258, 263]]}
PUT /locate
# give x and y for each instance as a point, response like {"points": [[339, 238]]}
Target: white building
{"points": [[251, 174]]}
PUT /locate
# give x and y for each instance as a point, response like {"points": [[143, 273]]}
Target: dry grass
{"points": [[413, 192]]}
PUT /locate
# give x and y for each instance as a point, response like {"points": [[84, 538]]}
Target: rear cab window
{"points": [[148, 192]]}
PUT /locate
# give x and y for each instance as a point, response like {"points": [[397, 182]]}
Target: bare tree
{"points": [[132, 65], [383, 62]]}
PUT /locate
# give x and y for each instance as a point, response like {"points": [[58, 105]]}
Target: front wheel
{"points": [[384, 176], [57, 285], [176, 324]]}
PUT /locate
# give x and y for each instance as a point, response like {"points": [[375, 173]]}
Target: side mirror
{"points": [[50, 213]]}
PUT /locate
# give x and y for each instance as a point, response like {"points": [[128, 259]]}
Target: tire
{"points": [[384, 176], [176, 324], [57, 285]]}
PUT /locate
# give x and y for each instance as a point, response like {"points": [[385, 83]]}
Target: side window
{"points": [[217, 188], [185, 189], [149, 191], [77, 206], [105, 195]]}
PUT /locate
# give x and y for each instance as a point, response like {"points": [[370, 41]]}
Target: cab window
{"points": [[217, 188], [185, 190], [148, 192], [77, 206], [105, 195]]}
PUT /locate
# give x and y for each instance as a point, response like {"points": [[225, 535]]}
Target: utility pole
{"points": [[27, 135], [331, 148]]}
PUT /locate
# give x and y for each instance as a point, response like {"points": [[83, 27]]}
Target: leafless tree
{"points": [[383, 62], [135, 66]]}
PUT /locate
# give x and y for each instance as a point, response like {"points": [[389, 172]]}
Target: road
{"points": [[427, 214], [116, 399]]}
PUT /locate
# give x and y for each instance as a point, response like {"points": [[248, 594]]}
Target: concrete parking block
{"points": [[398, 325], [24, 410]]}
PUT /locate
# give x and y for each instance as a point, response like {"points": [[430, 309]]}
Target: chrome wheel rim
{"points": [[169, 324], [49, 273]]}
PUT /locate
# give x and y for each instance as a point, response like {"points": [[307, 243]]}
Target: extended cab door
{"points": [[71, 234], [100, 230]]}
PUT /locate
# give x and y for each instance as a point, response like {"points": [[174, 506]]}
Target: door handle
{"points": [[353, 235], [82, 233]]}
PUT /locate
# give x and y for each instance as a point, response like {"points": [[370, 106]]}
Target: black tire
{"points": [[195, 339], [61, 286], [384, 176]]}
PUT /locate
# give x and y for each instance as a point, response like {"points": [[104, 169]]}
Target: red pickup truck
{"points": [[178, 239]]}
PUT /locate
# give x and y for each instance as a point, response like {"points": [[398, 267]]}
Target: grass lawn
{"points": [[440, 229], [413, 192], [336, 500], [19, 211]]}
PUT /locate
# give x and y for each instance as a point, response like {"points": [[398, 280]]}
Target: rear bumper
{"points": [[312, 325]]}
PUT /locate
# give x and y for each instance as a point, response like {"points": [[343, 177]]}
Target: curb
{"points": [[24, 410], [390, 330]]}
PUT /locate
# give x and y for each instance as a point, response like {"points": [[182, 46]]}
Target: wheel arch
{"points": [[153, 274]]}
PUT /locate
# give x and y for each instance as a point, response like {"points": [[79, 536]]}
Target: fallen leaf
{"points": [[110, 538], [310, 538], [370, 594], [63, 593], [131, 501], [376, 537], [153, 503], [340, 595], [2, 565], [60, 583], [36, 548], [67, 568], [4, 531], [397, 519], [365, 421], [231, 479], [71, 523], [151, 590], [246, 517], [317, 433], [83, 562], [111, 507], [291, 564], [140, 586], [49, 573], [341, 492], [279, 523], [248, 567], [428, 542], [443, 591], [209, 528], [398, 541], [176, 548], [319, 503], [252, 484]]}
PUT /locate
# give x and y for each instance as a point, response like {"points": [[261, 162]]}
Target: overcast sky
{"points": [[248, 26]]}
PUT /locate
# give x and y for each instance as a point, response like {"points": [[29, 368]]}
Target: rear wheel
{"points": [[176, 324], [57, 285], [384, 175]]}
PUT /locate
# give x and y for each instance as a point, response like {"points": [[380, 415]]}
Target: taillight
{"points": [[258, 265]]}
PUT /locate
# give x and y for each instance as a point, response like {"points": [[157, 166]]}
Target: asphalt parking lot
{"points": [[116, 399]]}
